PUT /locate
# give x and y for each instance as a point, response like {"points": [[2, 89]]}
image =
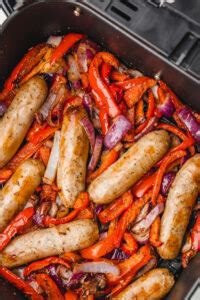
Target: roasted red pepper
{"points": [[67, 42], [177, 103], [15, 226], [81, 203], [49, 287], [144, 185], [30, 59], [99, 86], [104, 120], [115, 209], [40, 264], [105, 72], [130, 245], [20, 284], [71, 296]]}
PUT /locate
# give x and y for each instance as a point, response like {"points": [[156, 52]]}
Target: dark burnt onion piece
{"points": [[167, 181], [186, 116], [96, 153], [120, 126], [53, 274], [117, 254]]}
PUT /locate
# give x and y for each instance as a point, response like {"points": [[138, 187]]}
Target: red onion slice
{"points": [[96, 153], [97, 267], [117, 131], [190, 122], [54, 40], [145, 223], [3, 108], [73, 71], [87, 103], [51, 169], [167, 181], [166, 108], [142, 238], [89, 129], [149, 266], [143, 213]]}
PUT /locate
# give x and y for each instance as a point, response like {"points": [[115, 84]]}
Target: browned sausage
{"points": [[130, 167], [179, 204], [74, 147], [16, 121], [56, 240], [18, 189], [151, 286]]}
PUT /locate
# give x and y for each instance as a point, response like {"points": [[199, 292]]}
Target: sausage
{"points": [[18, 189], [130, 167], [74, 148], [179, 204], [56, 240], [16, 121], [154, 284]]}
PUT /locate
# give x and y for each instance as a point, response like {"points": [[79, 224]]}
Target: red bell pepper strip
{"points": [[115, 209], [67, 42], [107, 160], [103, 117], [195, 234], [15, 226], [5, 175], [99, 86], [86, 213], [171, 157], [71, 296], [144, 185], [81, 203], [49, 287], [105, 72], [155, 233], [139, 113], [20, 284], [129, 216], [117, 76], [130, 246], [30, 59], [40, 264], [71, 257], [133, 263]]}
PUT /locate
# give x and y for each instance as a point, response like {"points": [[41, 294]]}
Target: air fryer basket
{"points": [[36, 22]]}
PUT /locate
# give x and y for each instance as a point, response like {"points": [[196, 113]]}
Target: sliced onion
{"points": [[33, 283], [51, 170], [135, 73], [117, 130], [155, 91], [75, 280], [166, 108], [54, 40], [89, 129], [3, 108], [150, 126], [190, 122], [87, 103], [77, 85], [143, 213], [103, 235], [41, 211], [73, 71], [142, 238], [96, 153], [52, 272], [85, 53], [97, 267], [117, 254], [98, 208], [53, 210], [167, 181], [145, 223]]}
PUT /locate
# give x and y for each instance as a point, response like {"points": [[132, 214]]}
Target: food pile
{"points": [[100, 176]]}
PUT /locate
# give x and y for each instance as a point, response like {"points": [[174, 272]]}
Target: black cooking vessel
{"points": [[36, 22]]}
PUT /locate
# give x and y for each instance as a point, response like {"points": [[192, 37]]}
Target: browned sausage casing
{"points": [[179, 204], [130, 167], [18, 189], [16, 121], [56, 240], [74, 147], [153, 285]]}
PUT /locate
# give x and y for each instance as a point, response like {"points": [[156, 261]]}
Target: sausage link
{"points": [[56, 240], [16, 121], [130, 167], [178, 208], [18, 189], [153, 285], [74, 147]]}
